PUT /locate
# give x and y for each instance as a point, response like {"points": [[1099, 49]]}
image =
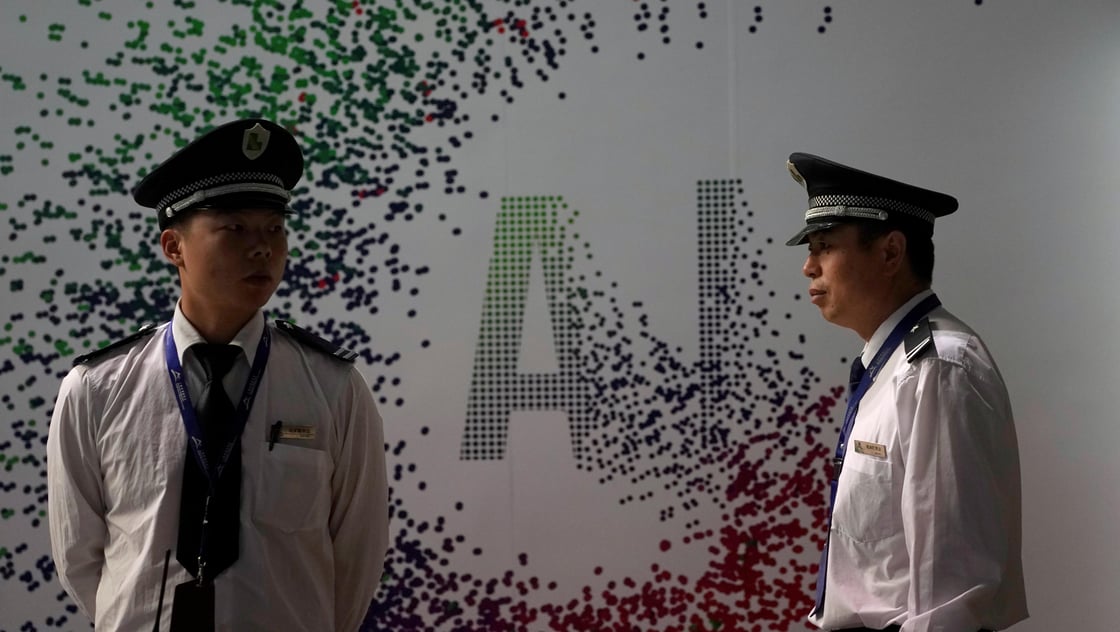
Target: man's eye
{"points": [[234, 227]]}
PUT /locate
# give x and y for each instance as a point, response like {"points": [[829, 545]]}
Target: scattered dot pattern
{"points": [[826, 19], [753, 28], [738, 429]]}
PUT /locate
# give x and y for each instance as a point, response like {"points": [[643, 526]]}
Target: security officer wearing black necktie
{"points": [[924, 516], [218, 471]]}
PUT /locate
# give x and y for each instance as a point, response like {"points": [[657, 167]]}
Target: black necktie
{"points": [[855, 375], [216, 417]]}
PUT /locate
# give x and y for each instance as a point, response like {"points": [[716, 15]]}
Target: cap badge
{"points": [[795, 173], [254, 142]]}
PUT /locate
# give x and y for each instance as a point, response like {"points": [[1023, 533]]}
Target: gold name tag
{"points": [[297, 432], [871, 449]]}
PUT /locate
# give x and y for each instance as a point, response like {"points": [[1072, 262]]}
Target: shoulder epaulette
{"points": [[141, 333], [315, 342], [919, 340]]}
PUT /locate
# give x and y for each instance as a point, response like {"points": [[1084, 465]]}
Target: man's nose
{"points": [[811, 269], [260, 248]]}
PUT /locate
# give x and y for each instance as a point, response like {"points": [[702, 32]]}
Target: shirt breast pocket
{"points": [[865, 509], [293, 490]]}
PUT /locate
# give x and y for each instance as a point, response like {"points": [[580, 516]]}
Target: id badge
{"points": [[193, 607]]}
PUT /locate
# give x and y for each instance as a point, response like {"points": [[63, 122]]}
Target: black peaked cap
{"points": [[838, 193], [249, 163]]}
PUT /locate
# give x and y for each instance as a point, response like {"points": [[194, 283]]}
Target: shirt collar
{"points": [[186, 335], [884, 331]]}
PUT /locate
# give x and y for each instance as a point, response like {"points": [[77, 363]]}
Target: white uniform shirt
{"points": [[314, 512], [928, 536]]}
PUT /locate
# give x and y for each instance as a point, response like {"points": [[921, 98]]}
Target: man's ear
{"points": [[171, 240], [893, 251]]}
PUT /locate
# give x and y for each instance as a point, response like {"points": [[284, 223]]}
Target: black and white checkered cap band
{"points": [[225, 184], [863, 207]]}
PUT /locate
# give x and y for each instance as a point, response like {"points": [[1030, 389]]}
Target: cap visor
{"points": [[802, 236], [244, 201]]}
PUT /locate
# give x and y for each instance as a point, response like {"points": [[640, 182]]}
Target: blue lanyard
{"points": [[190, 418], [897, 334]]}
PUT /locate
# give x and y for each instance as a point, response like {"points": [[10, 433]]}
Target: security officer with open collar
{"points": [[925, 519], [219, 472]]}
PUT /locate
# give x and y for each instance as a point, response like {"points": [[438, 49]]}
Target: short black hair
{"points": [[919, 243]]}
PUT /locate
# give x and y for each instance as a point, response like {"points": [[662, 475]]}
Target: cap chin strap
{"points": [[244, 187], [845, 211], [836, 203]]}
